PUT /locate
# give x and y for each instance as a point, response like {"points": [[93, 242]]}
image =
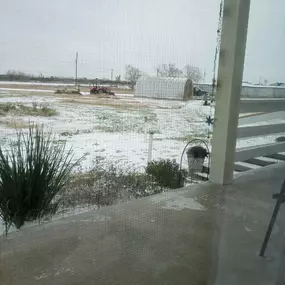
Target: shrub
{"points": [[7, 107], [35, 104], [166, 173], [22, 110], [32, 173], [108, 183], [46, 111]]}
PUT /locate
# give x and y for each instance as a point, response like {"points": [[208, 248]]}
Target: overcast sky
{"points": [[42, 36]]}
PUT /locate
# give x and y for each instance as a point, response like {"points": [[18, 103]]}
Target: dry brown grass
{"points": [[25, 94], [22, 110], [27, 86], [112, 103], [15, 124], [60, 86], [104, 129]]}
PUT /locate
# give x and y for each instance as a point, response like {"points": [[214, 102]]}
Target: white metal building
{"points": [[252, 91], [164, 88]]}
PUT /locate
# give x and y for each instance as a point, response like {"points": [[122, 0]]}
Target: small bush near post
{"points": [[166, 173], [32, 172], [108, 183]]}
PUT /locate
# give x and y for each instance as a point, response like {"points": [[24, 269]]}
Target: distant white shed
{"points": [[164, 88]]}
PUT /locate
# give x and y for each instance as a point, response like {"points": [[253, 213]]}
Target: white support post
{"points": [[231, 63], [145, 129], [150, 143]]}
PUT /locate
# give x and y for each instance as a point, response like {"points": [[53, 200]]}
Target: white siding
{"points": [[253, 91], [161, 88]]}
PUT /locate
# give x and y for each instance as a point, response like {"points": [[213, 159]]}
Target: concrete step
{"points": [[198, 176], [241, 168], [202, 176], [259, 162], [249, 164], [277, 156]]}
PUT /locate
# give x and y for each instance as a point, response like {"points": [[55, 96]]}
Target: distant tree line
{"points": [[133, 73], [189, 71], [13, 75]]}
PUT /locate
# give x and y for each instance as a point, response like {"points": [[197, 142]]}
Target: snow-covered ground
{"points": [[116, 129], [116, 132], [113, 129]]}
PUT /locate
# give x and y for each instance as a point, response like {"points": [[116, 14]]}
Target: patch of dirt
{"points": [[113, 103]]}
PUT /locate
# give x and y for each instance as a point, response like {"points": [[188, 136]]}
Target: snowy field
{"points": [[116, 129], [112, 129]]}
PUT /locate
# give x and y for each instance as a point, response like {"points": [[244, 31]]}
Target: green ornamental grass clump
{"points": [[33, 171]]}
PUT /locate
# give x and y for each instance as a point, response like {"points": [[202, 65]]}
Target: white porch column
{"points": [[230, 74]]}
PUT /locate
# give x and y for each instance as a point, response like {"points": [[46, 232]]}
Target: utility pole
{"points": [[204, 78], [112, 71], [76, 65]]}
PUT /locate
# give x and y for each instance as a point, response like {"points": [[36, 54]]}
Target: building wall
{"points": [[164, 88], [263, 92], [174, 88], [254, 91]]}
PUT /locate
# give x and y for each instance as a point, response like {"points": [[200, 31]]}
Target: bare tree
{"points": [[169, 70], [41, 76], [132, 74], [17, 75], [193, 72]]}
